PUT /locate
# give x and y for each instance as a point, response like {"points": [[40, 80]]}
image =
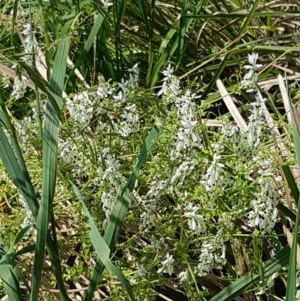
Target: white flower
{"points": [[124, 85], [196, 221], [106, 3], [264, 212], [119, 97], [148, 219], [183, 276], [209, 258], [141, 272], [250, 78], [215, 175], [19, 87], [26, 29], [252, 58], [81, 108], [167, 265], [170, 87], [104, 90], [130, 123], [168, 73], [134, 69]]}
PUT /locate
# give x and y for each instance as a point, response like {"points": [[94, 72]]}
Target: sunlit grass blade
{"points": [[14, 162], [10, 280], [291, 283], [9, 272], [50, 144], [291, 182], [149, 31], [101, 247], [120, 209]]}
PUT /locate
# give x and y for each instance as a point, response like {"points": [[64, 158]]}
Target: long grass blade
{"points": [[273, 265], [101, 247], [291, 283], [50, 144], [10, 279], [13, 161]]}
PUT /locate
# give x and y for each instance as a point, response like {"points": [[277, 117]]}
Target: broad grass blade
{"points": [[291, 282], [120, 209], [9, 272], [10, 279], [50, 144], [101, 247], [291, 182], [118, 214], [13, 161], [249, 280]]}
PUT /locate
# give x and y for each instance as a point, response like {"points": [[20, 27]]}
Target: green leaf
{"points": [[249, 280], [101, 247], [50, 144], [291, 281], [9, 277], [291, 182]]}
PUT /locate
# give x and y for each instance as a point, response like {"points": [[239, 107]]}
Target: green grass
{"points": [[100, 168]]}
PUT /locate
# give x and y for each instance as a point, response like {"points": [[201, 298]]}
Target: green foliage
{"points": [[87, 89]]}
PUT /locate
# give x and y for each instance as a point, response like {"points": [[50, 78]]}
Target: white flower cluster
{"points": [[106, 3], [130, 121], [134, 75], [244, 143], [104, 174], [81, 108], [19, 87], [109, 175], [256, 122], [179, 175], [71, 152], [88, 104], [171, 86], [196, 222], [264, 213], [167, 265], [149, 203], [187, 137], [215, 177], [30, 42], [183, 276], [251, 77], [211, 256], [111, 171]]}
